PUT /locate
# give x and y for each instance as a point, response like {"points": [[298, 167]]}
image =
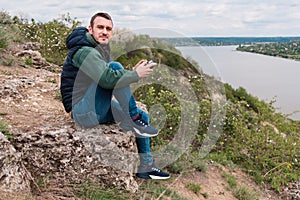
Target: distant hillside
{"points": [[220, 41], [290, 50]]}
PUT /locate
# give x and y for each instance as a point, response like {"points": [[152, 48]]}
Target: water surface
{"points": [[263, 76]]}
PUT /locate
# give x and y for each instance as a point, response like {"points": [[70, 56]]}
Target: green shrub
{"points": [[231, 180], [58, 95], [253, 139], [93, 192], [28, 61], [5, 18], [154, 190], [4, 130], [50, 35], [3, 39], [243, 193]]}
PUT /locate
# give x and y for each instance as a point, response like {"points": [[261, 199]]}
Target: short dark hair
{"points": [[100, 14]]}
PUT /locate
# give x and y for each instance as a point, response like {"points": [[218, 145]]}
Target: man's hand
{"points": [[143, 69]]}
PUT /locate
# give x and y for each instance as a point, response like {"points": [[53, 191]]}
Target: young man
{"points": [[89, 80]]}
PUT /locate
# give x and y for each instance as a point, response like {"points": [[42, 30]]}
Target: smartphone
{"points": [[150, 61]]}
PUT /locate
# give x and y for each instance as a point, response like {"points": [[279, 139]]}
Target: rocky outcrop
{"points": [[63, 156], [46, 152], [13, 174], [37, 60], [103, 155], [32, 57]]}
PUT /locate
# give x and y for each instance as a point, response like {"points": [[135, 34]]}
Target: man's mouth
{"points": [[103, 37]]}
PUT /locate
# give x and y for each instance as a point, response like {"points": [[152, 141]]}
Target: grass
{"points": [[239, 191], [194, 187], [28, 61], [151, 189], [51, 80], [8, 62], [243, 193], [157, 189], [93, 192], [4, 130], [231, 180]]}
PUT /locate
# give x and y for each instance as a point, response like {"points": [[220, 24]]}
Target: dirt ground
{"points": [[215, 187], [29, 100]]}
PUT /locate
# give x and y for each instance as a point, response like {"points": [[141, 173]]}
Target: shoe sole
{"points": [[138, 132], [153, 177], [159, 177]]}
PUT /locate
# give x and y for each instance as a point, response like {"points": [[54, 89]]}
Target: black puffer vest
{"points": [[75, 41]]}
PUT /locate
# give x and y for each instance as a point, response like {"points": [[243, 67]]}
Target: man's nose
{"points": [[105, 31]]}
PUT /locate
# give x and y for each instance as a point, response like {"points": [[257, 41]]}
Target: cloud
{"points": [[189, 17]]}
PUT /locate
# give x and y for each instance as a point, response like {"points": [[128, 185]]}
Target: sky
{"points": [[191, 18]]}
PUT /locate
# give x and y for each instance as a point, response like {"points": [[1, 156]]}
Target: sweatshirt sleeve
{"points": [[89, 61]]}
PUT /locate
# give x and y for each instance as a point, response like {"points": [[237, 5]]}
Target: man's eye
{"points": [[103, 27]]}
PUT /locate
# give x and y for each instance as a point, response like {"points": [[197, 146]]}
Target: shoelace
{"points": [[155, 169], [142, 123]]}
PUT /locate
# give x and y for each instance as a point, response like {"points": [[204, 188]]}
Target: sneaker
{"points": [[151, 172], [142, 129]]}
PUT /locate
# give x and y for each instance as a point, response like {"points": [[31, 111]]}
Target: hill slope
{"points": [[29, 101]]}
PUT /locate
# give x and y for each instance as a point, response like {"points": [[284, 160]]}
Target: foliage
{"points": [[5, 18], [255, 137], [155, 190], [3, 40], [92, 192], [188, 162], [4, 130], [289, 50], [9, 32], [263, 142], [194, 187], [239, 191], [50, 35]]}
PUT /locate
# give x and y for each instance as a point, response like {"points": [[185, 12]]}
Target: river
{"points": [[268, 78]]}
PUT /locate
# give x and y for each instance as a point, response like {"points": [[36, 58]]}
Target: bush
{"points": [[9, 32], [50, 35], [264, 143], [5, 18], [3, 39], [4, 130]]}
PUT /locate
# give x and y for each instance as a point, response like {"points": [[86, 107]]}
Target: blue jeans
{"points": [[97, 107]]}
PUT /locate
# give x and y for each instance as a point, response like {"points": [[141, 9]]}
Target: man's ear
{"points": [[90, 29]]}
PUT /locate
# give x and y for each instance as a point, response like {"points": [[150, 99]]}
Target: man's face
{"points": [[101, 30]]}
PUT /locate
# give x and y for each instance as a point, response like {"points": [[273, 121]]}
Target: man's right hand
{"points": [[143, 69]]}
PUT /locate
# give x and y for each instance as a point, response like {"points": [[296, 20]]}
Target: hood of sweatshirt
{"points": [[78, 38]]}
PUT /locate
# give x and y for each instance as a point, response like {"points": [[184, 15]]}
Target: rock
{"points": [[10, 87], [36, 57], [32, 46], [36, 60], [13, 174], [291, 192], [72, 155]]}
